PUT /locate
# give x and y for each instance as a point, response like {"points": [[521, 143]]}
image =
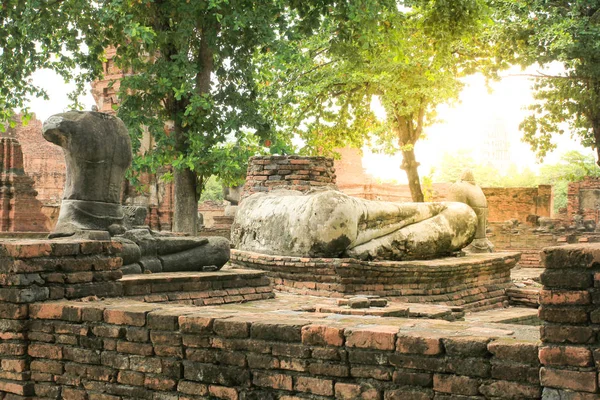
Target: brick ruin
{"points": [[20, 210], [57, 342]]}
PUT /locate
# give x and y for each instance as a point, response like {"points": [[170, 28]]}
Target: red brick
{"points": [[47, 310], [322, 335], [222, 392], [565, 379], [566, 355], [318, 386], [454, 384], [347, 391], [429, 346], [142, 349], [376, 337], [193, 388], [134, 316], [272, 380], [131, 378], [567, 334], [231, 328], [195, 324], [158, 382], [565, 297], [50, 351]]}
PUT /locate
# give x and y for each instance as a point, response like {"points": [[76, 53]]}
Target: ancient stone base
{"points": [[199, 288], [476, 281]]}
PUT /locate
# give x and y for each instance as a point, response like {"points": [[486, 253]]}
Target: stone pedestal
{"points": [[476, 281]]}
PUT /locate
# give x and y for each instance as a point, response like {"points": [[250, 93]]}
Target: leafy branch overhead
{"points": [[563, 38], [409, 58]]}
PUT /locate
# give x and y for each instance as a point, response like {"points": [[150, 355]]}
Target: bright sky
{"points": [[461, 127]]}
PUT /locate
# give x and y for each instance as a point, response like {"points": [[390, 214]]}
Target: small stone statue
{"points": [[468, 192], [98, 152]]}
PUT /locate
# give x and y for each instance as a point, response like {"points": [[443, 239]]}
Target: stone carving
{"points": [[329, 223], [98, 151], [468, 192]]}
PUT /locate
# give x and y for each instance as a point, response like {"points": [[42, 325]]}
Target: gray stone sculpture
{"points": [[97, 152], [329, 223], [468, 192]]}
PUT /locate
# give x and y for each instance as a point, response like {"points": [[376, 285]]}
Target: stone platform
{"points": [[476, 281], [228, 285]]}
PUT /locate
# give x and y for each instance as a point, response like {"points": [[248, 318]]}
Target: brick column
{"points": [[40, 270], [570, 311]]}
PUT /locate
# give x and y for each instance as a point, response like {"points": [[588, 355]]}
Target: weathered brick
{"points": [[453, 384], [566, 355], [375, 337], [318, 386], [503, 389], [196, 324], [408, 344], [565, 379], [231, 328], [322, 335], [272, 380]]}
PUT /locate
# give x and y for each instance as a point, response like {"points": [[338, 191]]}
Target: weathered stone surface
{"points": [[468, 192], [329, 223], [97, 152], [213, 251]]}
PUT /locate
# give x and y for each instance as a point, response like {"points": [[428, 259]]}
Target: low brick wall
{"points": [[127, 350], [266, 173], [199, 288], [477, 281]]}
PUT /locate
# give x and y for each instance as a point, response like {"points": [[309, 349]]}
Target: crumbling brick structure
{"points": [[20, 210], [122, 349], [583, 198]]}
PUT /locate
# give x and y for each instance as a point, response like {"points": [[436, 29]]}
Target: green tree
{"points": [[410, 58], [556, 33], [188, 65], [58, 35]]}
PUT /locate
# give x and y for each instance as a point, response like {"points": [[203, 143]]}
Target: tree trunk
{"points": [[185, 207], [596, 131], [409, 165]]}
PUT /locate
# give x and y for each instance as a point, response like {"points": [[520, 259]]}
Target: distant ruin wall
{"points": [[518, 203], [583, 198], [43, 161]]}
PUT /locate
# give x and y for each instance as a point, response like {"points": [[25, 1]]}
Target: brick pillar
{"points": [[570, 311], [266, 173], [34, 271]]}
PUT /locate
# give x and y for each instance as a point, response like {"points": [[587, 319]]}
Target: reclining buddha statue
{"points": [[329, 223]]}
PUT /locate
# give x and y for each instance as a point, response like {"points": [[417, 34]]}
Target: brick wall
{"points": [[43, 161], [518, 203], [569, 307], [118, 349]]}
